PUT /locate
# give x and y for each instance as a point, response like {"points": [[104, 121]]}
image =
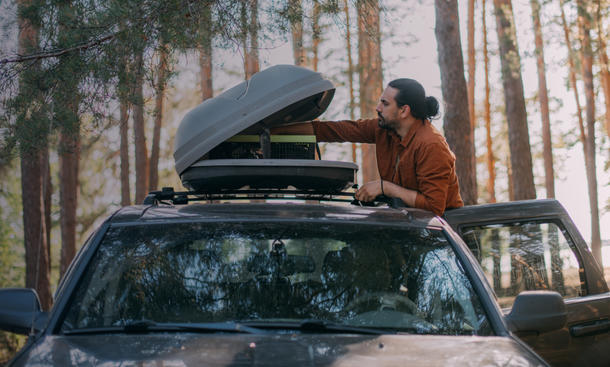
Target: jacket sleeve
{"points": [[360, 131], [435, 163]]}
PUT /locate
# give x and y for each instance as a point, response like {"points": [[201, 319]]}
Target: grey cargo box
{"points": [[279, 95]]}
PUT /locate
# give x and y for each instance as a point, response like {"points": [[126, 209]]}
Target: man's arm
{"points": [[360, 131], [370, 190], [300, 128]]}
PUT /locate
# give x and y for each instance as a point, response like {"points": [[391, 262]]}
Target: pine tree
{"points": [[295, 16], [586, 62], [205, 54], [456, 123], [490, 159], [350, 70], [162, 75], [518, 133], [32, 136], [603, 60], [471, 73], [543, 99], [66, 116], [370, 75]]}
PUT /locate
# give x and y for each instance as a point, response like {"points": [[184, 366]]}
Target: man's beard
{"points": [[385, 124]]}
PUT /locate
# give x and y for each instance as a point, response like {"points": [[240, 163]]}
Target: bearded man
{"points": [[415, 162]]}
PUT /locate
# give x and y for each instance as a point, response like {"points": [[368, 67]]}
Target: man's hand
{"points": [[369, 191]]}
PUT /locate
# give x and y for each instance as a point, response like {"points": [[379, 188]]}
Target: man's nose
{"points": [[378, 107]]}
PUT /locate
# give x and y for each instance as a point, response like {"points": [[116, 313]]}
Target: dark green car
{"points": [[274, 284]]}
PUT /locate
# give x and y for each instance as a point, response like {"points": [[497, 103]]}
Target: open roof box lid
{"points": [[224, 143]]}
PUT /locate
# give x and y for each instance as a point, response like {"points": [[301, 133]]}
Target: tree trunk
{"points": [[572, 71], [66, 108], [124, 89], [370, 75], [250, 25], [603, 64], [124, 150], [586, 53], [315, 34], [153, 168], [32, 173], [253, 63], [456, 122], [518, 134], [350, 71], [471, 75], [205, 63], [543, 99], [296, 28], [205, 56], [509, 174], [556, 261], [491, 160], [139, 131], [47, 193], [69, 153], [497, 266], [36, 252]]}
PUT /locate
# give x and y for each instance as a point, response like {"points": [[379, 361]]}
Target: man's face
{"points": [[387, 109]]}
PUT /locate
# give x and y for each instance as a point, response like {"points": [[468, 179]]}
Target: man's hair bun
{"points": [[431, 107]]}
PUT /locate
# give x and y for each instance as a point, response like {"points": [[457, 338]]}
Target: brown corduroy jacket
{"points": [[421, 161]]}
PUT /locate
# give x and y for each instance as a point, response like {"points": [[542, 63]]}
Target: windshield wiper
{"points": [[315, 326], [145, 326]]}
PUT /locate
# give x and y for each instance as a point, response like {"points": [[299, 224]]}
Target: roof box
{"points": [[216, 175], [236, 124]]}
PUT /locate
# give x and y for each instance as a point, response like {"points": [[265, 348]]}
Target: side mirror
{"points": [[537, 311], [20, 311]]}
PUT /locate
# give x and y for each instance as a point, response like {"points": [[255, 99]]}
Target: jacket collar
{"points": [[411, 133]]}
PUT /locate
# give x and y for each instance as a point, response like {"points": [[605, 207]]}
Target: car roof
{"points": [[505, 211], [276, 211]]}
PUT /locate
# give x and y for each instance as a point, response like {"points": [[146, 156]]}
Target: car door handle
{"points": [[596, 327]]}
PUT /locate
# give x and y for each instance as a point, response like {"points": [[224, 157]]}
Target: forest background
{"points": [[91, 94]]}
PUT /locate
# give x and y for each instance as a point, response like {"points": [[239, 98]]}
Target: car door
{"points": [[534, 245]]}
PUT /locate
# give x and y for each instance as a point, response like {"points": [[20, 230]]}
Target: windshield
{"points": [[371, 276]]}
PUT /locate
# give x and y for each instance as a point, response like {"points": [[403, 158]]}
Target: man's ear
{"points": [[405, 111]]}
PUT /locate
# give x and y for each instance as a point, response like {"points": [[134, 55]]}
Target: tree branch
{"points": [[57, 53]]}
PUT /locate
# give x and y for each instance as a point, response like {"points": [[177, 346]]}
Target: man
{"points": [[415, 163]]}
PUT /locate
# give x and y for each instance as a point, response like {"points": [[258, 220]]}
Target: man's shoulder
{"points": [[430, 141], [428, 134]]}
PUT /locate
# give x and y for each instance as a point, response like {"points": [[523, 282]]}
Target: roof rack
{"points": [[168, 195]]}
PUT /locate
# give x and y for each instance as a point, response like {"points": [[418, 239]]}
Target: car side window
{"points": [[523, 256]]}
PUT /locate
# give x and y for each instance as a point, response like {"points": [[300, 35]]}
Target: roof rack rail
{"points": [[167, 194]]}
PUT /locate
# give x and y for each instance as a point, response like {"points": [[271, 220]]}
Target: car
{"points": [[535, 245], [268, 260], [295, 283]]}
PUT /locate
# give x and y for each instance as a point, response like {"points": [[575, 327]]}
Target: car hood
{"points": [[278, 95], [276, 350]]}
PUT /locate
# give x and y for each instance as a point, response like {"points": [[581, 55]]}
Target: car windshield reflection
{"points": [[273, 274]]}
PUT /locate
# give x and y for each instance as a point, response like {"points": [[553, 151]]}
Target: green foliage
{"points": [[86, 47], [9, 345], [11, 231]]}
